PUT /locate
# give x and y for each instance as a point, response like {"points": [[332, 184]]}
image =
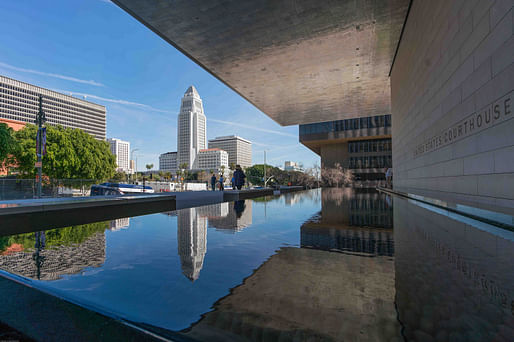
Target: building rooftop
{"points": [[49, 91], [210, 149], [226, 137], [191, 91]]}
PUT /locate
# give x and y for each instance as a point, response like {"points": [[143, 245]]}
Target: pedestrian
{"points": [[389, 177], [222, 180], [213, 182], [233, 182], [239, 177]]}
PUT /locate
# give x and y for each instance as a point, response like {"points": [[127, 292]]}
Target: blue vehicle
{"points": [[109, 189]]}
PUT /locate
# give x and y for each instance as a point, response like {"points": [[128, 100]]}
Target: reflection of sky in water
{"points": [[142, 278]]}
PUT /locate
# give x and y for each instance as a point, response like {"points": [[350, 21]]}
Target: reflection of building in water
{"points": [[369, 241], [239, 216], [356, 207], [53, 262], [192, 241], [308, 295], [121, 223], [454, 280], [292, 198], [214, 210], [348, 222]]}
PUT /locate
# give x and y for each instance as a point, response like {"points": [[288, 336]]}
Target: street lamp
{"points": [[132, 158]]}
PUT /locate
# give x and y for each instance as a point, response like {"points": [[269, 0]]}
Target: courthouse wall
{"points": [[452, 86]]}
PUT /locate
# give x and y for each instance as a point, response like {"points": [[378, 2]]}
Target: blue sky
{"points": [[93, 48]]}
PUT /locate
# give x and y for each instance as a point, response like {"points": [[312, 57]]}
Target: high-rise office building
{"points": [[191, 129], [239, 150], [19, 101], [168, 162], [121, 149]]}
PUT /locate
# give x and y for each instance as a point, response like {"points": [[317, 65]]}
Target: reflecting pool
{"points": [[319, 265]]}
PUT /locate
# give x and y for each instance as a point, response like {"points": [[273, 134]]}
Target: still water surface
{"points": [[328, 265]]}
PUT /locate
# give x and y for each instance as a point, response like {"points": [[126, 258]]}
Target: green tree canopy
{"points": [[71, 154], [7, 142]]}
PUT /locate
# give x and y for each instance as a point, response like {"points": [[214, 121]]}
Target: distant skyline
{"points": [[95, 50]]}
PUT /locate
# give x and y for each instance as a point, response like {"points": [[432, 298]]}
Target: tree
{"points": [[336, 176], [7, 142], [71, 154], [232, 167], [119, 176], [149, 166]]}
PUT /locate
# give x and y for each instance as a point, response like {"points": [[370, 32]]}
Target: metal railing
{"points": [[11, 188]]}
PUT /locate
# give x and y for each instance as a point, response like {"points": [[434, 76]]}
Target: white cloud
{"points": [[48, 74], [118, 101], [253, 127]]}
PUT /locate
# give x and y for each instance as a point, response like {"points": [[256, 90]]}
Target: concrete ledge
{"points": [[26, 216], [498, 219], [44, 317]]}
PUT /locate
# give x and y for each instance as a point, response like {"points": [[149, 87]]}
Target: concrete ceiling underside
{"points": [[298, 61]]}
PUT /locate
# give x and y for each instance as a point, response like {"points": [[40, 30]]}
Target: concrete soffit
{"points": [[298, 62]]}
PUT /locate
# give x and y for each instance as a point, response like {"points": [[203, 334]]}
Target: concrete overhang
{"points": [[297, 61], [315, 141]]}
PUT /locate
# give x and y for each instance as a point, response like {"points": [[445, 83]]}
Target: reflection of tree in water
{"points": [[50, 254]]}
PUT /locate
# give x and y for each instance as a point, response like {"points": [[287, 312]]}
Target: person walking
{"points": [[233, 182], [213, 182], [239, 177], [389, 177], [222, 180]]}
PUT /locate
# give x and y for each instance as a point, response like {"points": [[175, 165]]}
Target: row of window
{"points": [[21, 106], [370, 162], [377, 145], [65, 114], [11, 112], [29, 94], [377, 205], [346, 125]]}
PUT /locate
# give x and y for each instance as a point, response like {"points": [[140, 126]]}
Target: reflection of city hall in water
{"points": [[192, 226]]}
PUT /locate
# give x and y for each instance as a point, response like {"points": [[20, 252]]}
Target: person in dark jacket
{"points": [[222, 182], [239, 177], [213, 182]]}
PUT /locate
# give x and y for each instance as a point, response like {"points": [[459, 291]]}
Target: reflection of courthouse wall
{"points": [[59, 261], [308, 295], [454, 282], [192, 241], [231, 222]]}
